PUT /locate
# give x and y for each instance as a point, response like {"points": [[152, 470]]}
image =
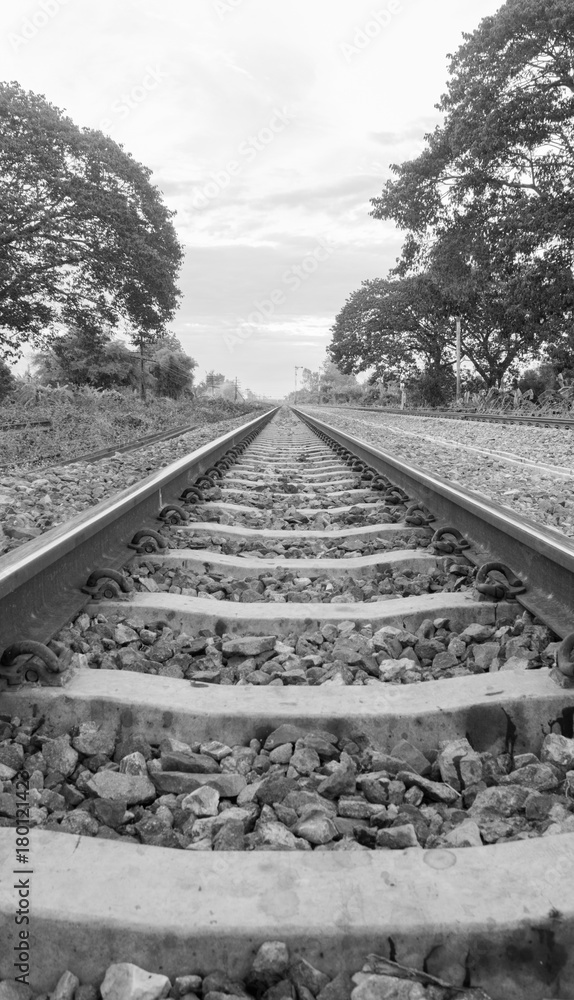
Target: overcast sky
{"points": [[268, 124]]}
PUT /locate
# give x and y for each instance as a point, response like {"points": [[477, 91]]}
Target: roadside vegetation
{"points": [[89, 262], [546, 388], [85, 419]]}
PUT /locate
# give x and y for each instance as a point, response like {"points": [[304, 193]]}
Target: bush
{"points": [[537, 380], [87, 419], [7, 381], [433, 387]]}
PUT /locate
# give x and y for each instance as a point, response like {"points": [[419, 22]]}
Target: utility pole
{"points": [[142, 371], [212, 381], [236, 387], [298, 368], [458, 339]]}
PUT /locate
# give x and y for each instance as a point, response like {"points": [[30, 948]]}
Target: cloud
{"points": [[342, 192], [227, 279], [415, 131], [314, 181]]}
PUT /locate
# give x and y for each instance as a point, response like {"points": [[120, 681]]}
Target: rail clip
{"points": [[41, 664], [107, 584], [563, 656], [500, 588], [418, 515], [451, 546]]}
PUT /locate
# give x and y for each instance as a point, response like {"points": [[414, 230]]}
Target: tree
{"points": [[7, 381], [511, 305], [212, 381], [86, 240], [337, 386], [93, 357], [171, 368], [508, 135], [392, 327], [87, 357], [488, 206], [434, 386]]}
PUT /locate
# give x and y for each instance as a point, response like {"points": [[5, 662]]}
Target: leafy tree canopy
{"points": [[7, 381], [171, 368], [94, 358], [211, 382], [507, 142], [390, 327], [488, 206], [86, 240], [86, 357], [511, 306]]}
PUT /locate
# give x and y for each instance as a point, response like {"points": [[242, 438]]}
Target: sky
{"points": [[268, 125]]}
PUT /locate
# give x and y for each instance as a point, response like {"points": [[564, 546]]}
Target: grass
{"points": [[87, 421]]}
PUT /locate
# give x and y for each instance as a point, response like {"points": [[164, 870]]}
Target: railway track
{"points": [[304, 707], [101, 453], [538, 420]]}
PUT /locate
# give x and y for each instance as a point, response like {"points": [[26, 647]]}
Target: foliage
{"points": [[87, 419], [337, 385], [311, 381], [560, 355], [329, 385], [391, 327], [218, 386], [82, 357], [510, 306], [538, 379], [7, 381], [508, 135], [87, 241], [211, 382], [435, 386], [171, 368], [488, 206]]}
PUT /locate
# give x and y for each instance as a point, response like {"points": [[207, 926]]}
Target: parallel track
{"points": [[542, 420], [466, 914]]}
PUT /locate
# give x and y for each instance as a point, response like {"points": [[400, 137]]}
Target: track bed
{"points": [[298, 720]]}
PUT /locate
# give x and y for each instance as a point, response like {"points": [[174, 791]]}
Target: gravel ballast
{"points": [[32, 502], [274, 974], [334, 654], [299, 548], [545, 498], [293, 790]]}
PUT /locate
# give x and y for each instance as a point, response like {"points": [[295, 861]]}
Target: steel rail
{"points": [[97, 456], [501, 418], [541, 557], [41, 580]]}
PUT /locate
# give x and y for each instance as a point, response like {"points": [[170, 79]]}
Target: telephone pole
{"points": [[143, 393], [298, 368], [458, 339]]}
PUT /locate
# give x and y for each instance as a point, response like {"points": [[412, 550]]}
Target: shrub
{"points": [[434, 386], [7, 381]]}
